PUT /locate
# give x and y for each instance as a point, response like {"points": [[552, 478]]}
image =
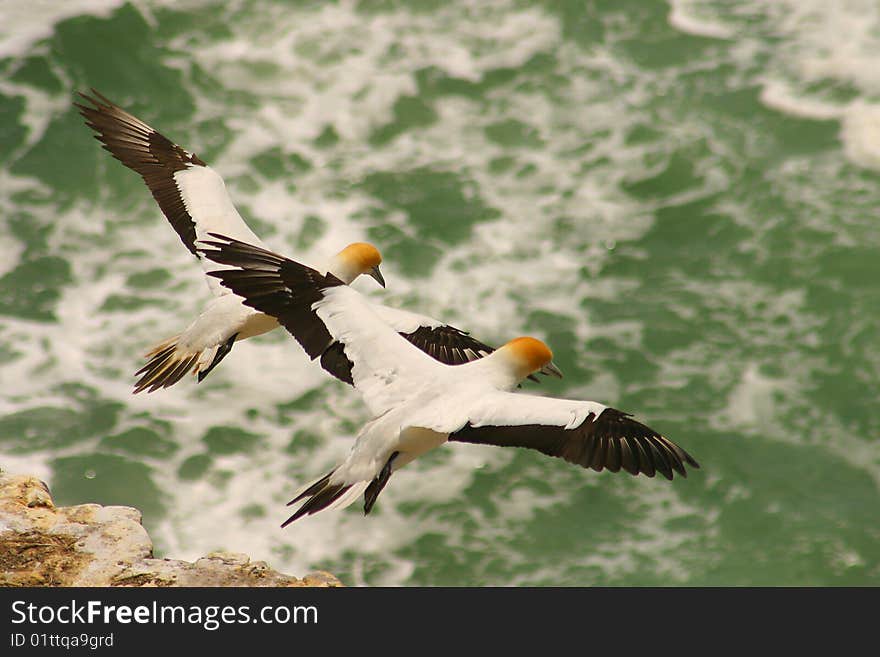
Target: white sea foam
{"points": [[23, 23], [819, 47], [751, 402], [686, 15], [835, 41], [780, 96], [666, 550], [861, 134], [26, 465]]}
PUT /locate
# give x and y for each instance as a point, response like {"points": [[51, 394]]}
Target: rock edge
{"points": [[94, 545]]}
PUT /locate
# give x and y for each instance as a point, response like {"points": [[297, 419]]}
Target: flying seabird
{"points": [[418, 403], [195, 201]]}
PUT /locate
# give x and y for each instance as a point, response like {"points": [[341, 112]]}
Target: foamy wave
{"points": [[780, 96], [861, 134], [685, 15], [23, 23], [822, 55], [833, 40]]}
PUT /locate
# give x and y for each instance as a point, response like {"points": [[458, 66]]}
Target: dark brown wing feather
{"points": [[277, 286], [448, 344], [142, 149], [613, 441], [337, 363]]}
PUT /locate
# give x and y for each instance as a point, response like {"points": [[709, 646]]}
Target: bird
{"points": [[194, 199], [417, 403]]}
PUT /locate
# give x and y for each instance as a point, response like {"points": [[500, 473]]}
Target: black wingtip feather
{"points": [[613, 441], [147, 152]]}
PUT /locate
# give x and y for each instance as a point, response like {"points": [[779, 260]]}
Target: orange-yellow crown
{"points": [[363, 255], [531, 352]]}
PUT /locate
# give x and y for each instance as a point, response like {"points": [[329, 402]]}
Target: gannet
{"points": [[418, 403], [195, 201]]}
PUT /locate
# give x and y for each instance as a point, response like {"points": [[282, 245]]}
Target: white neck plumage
{"points": [[343, 269], [500, 370]]}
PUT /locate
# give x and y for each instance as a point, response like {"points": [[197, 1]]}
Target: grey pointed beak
{"points": [[550, 369], [375, 273]]}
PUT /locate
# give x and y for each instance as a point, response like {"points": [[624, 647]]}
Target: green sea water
{"points": [[680, 198]]}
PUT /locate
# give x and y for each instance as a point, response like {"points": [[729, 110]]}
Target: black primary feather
{"points": [[613, 441]]}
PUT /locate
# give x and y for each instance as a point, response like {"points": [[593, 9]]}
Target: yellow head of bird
{"points": [[363, 258], [530, 355]]}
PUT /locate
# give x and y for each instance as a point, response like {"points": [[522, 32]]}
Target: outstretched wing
{"points": [[191, 195], [584, 433], [445, 343], [440, 341]]}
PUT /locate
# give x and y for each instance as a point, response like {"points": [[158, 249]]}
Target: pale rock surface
{"points": [[94, 545]]}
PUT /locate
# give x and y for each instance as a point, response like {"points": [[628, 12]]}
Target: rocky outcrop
{"points": [[94, 545]]}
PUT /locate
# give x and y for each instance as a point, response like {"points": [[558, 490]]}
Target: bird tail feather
{"points": [[325, 494], [169, 361]]}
